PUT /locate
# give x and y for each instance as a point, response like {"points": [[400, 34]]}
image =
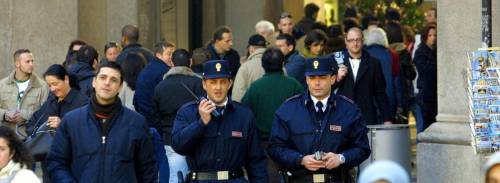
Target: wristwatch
{"points": [[342, 158]]}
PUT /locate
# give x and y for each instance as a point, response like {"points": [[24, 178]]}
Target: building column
{"points": [[444, 151]]}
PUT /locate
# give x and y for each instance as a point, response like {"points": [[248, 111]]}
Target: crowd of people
{"points": [[295, 108]]}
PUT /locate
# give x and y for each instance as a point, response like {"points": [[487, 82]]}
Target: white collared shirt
{"points": [[223, 104], [354, 66], [324, 101]]}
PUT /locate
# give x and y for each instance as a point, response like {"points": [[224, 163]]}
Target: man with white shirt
{"points": [[365, 82], [22, 92]]}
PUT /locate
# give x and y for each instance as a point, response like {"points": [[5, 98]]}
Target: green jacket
{"points": [[266, 94]]}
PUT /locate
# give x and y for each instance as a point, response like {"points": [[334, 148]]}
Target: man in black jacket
{"points": [[221, 49], [364, 82], [174, 91]]}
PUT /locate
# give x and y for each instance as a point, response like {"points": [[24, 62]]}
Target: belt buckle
{"points": [[318, 178], [222, 175], [193, 176]]}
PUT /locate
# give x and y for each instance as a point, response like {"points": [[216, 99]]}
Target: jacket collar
{"points": [[229, 104], [211, 48], [132, 45], [308, 102], [70, 97], [259, 51], [291, 55], [181, 70], [33, 83]]}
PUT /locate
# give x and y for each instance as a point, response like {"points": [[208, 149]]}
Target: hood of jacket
{"points": [[81, 70], [181, 70]]}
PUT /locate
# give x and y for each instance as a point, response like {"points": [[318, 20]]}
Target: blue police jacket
{"points": [[296, 132], [80, 154], [229, 142]]}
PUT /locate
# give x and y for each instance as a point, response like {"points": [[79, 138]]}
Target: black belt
{"points": [[315, 178], [216, 175]]}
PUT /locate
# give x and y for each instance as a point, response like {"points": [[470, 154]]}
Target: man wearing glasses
{"points": [[364, 83]]}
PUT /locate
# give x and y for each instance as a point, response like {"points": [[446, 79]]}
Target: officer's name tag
{"points": [[237, 134], [335, 128]]}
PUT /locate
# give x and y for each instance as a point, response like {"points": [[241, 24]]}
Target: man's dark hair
{"points": [[272, 60], [315, 36], [285, 15], [131, 32], [392, 15], [200, 56], [394, 32], [112, 65], [219, 31], [18, 53], [74, 43], [368, 20], [349, 23], [310, 10], [181, 57], [290, 40], [161, 46], [87, 54]]}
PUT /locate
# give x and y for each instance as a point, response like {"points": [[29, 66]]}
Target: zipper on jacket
{"points": [[103, 151]]}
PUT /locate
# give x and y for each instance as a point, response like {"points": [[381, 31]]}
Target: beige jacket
{"points": [[36, 94], [248, 72]]}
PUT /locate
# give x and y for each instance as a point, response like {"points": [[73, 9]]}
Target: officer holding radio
{"points": [[218, 136], [318, 136]]}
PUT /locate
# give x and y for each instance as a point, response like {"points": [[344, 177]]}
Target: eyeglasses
{"points": [[354, 40]]}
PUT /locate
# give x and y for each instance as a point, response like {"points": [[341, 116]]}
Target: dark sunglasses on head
{"points": [[285, 15]]}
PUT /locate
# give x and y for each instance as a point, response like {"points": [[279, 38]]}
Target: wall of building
{"points": [[44, 27]]}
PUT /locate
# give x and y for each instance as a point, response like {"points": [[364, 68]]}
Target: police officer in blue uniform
{"points": [[218, 136], [318, 136]]}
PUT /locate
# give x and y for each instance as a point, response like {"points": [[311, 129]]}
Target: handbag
{"points": [[39, 142]]}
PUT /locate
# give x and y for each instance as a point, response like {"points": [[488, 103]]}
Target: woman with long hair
{"points": [[132, 65], [426, 62]]}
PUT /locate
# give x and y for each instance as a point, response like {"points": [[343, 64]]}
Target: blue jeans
{"points": [[176, 162], [419, 117]]}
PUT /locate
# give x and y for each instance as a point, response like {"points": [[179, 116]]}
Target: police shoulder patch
{"points": [[346, 98]]}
